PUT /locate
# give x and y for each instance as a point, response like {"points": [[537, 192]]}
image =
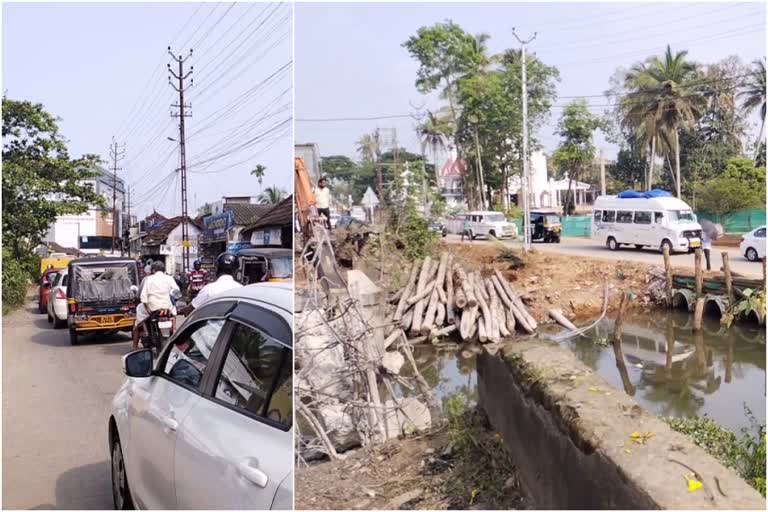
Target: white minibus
{"points": [[645, 222]]}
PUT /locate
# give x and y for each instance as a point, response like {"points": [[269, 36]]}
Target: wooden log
{"points": [[481, 332], [429, 316], [425, 293], [499, 311], [510, 321], [459, 299], [516, 300], [478, 278], [392, 338], [407, 319], [472, 330], [440, 315], [668, 272], [409, 289], [449, 290], [436, 333], [466, 286], [728, 279], [487, 319], [520, 316], [418, 308], [699, 272], [558, 316], [397, 295], [433, 270], [698, 314], [468, 321]]}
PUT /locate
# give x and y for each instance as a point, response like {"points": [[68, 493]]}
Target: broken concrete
{"points": [[582, 444]]}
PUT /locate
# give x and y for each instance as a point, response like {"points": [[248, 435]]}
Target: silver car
{"points": [[208, 424], [57, 301]]}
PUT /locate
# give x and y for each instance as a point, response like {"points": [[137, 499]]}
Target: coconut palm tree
{"points": [[661, 98], [271, 195], [369, 148], [754, 97], [258, 171], [433, 133]]}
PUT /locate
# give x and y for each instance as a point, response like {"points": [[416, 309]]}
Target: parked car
{"points": [[645, 222], [46, 281], [101, 295], [545, 226], [438, 227], [208, 424], [57, 301], [489, 224], [753, 244]]}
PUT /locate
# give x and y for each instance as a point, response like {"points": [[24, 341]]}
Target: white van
{"points": [[652, 222], [489, 224]]}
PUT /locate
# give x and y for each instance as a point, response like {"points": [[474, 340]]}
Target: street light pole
{"points": [[526, 173]]}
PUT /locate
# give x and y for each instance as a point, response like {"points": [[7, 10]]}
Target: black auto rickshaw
{"points": [[101, 295], [545, 226], [263, 265]]}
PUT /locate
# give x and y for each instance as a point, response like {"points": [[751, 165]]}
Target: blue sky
{"points": [[102, 69], [350, 62]]}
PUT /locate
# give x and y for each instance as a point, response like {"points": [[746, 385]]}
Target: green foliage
{"points": [[258, 172], [752, 302], [40, 180], [746, 454], [16, 276], [514, 212], [741, 186], [410, 232], [629, 169], [338, 168], [272, 195]]}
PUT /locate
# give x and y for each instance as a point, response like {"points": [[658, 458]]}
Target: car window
{"points": [[658, 217], [597, 215], [624, 217], [256, 376], [609, 215], [188, 357], [642, 217], [760, 233]]}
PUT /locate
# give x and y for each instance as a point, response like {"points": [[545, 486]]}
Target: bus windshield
{"points": [[281, 268], [683, 216]]}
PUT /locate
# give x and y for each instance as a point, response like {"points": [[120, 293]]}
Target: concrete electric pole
{"points": [[182, 114], [526, 172], [117, 153]]}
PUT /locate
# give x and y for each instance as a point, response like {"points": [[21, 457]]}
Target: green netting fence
{"points": [[575, 225], [738, 222]]}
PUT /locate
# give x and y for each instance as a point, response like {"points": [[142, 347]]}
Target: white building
{"points": [[163, 242], [452, 181], [547, 192], [91, 232]]}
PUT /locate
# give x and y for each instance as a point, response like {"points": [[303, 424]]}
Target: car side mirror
{"points": [[138, 363]]}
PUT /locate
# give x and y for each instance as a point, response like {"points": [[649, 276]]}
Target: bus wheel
{"points": [[612, 244]]}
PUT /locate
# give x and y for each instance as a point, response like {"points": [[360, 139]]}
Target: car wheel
{"points": [[557, 240], [58, 324], [72, 336], [121, 493], [668, 245], [40, 308], [445, 233], [50, 318], [751, 254], [638, 246], [491, 235], [612, 244]]}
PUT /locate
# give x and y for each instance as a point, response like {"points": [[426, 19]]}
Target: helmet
{"points": [[196, 265], [226, 263]]}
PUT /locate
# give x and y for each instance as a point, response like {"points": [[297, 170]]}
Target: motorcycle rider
{"points": [[196, 279], [226, 266], [155, 294]]}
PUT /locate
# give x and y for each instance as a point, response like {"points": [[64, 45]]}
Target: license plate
{"points": [[165, 325], [695, 243]]}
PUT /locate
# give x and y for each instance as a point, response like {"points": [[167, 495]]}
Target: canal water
{"points": [[719, 374]]}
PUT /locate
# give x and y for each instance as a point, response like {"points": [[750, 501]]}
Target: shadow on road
{"points": [[60, 337], [84, 487]]}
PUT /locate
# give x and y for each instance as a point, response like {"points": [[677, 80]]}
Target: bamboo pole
{"points": [[668, 273]]}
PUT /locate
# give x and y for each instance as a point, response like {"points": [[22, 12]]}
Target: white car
{"points": [[753, 244], [57, 301], [489, 224], [209, 423]]}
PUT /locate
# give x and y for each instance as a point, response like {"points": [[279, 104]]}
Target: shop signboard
{"points": [[216, 226]]}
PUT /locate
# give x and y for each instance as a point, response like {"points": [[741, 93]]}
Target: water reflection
{"points": [[446, 371], [674, 372]]}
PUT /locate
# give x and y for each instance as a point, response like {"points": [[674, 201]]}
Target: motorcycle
{"points": [[160, 327], [195, 282]]}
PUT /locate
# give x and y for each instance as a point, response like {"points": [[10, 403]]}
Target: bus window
{"points": [[597, 216], [658, 217], [642, 217], [609, 215], [624, 217]]}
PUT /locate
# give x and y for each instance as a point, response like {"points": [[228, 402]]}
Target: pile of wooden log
{"points": [[441, 297]]}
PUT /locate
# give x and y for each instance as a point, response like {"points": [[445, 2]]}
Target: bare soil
{"points": [[424, 472]]}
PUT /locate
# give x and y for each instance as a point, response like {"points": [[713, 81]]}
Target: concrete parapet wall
{"points": [[570, 434]]}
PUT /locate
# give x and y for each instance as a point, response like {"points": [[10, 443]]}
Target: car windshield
{"points": [[683, 216], [494, 217], [282, 268]]}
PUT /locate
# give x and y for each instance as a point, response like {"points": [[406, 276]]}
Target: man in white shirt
{"points": [[155, 294], [226, 267], [323, 200]]}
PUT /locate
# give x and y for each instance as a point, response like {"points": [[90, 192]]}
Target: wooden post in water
{"points": [[728, 279], [763, 272], [668, 271], [698, 314], [618, 352], [699, 274]]}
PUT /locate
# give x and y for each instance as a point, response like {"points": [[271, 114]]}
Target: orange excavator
{"points": [[305, 197]]}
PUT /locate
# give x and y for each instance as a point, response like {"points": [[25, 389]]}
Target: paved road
{"points": [[56, 403], [587, 247]]}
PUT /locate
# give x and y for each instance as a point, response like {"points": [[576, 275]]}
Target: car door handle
{"points": [[170, 425], [253, 474]]}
